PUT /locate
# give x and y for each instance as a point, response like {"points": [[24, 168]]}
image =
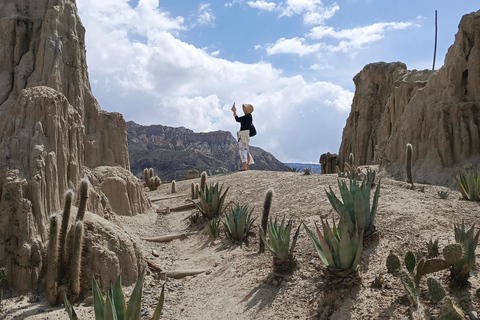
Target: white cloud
{"points": [[294, 45], [313, 11], [205, 15], [352, 40], [215, 53], [263, 5], [163, 80], [229, 4]]}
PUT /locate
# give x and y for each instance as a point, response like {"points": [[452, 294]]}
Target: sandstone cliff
{"points": [[174, 151], [438, 112], [52, 134]]}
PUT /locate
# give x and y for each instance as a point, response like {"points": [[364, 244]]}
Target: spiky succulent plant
{"points": [[432, 247], [214, 228], [279, 236], [114, 305], [211, 201], [338, 249], [238, 221], [469, 241], [469, 185], [355, 209]]}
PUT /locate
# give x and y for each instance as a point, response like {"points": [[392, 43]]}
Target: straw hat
{"points": [[248, 108]]}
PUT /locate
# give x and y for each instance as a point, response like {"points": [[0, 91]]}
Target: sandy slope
{"points": [[239, 283]]}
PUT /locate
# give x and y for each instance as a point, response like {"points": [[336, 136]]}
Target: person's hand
{"points": [[234, 109]]}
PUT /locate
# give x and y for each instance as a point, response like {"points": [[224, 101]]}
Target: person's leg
{"points": [[248, 160], [243, 154]]}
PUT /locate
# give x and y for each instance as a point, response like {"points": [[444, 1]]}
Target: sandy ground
{"points": [[240, 283]]}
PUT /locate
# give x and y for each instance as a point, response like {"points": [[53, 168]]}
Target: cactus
{"points": [[52, 260], [448, 310], [338, 249], [203, 181], [266, 211], [197, 190], [152, 181], [409, 164], [432, 247], [355, 209], [174, 187], [410, 261], [352, 172], [238, 222], [469, 185], [394, 267], [64, 266], [192, 190], [351, 159], [436, 290]]}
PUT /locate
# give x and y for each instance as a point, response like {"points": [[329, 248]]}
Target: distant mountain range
{"points": [[171, 152], [314, 168]]}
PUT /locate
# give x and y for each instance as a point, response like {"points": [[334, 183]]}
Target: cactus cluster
{"points": [[114, 305], [469, 185], [238, 222], [64, 253], [152, 181], [355, 210]]}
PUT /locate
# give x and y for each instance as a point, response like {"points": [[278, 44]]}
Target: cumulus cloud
{"points": [[263, 5], [356, 38], [294, 45]]}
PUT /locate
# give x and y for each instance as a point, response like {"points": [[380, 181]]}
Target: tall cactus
{"points": [[409, 164], [351, 159], [174, 187], [266, 211], [203, 181], [65, 258], [52, 260]]}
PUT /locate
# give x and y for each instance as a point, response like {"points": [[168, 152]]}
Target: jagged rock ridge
{"points": [[52, 134], [174, 151], [438, 112]]}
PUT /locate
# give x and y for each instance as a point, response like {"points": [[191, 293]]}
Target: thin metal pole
{"points": [[435, 49]]}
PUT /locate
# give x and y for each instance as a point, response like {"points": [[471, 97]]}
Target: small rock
{"points": [[155, 253], [312, 261], [274, 282], [473, 315], [88, 301]]}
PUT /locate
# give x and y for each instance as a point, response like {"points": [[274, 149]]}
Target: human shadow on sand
{"points": [[264, 294]]}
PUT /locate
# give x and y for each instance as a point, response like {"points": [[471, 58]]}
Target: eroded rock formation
{"points": [[52, 134], [438, 112]]}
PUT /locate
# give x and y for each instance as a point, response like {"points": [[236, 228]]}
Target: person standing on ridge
{"points": [[247, 130]]}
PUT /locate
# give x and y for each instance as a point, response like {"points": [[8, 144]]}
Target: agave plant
{"points": [[214, 228], [338, 249], [114, 306], [293, 169], [469, 185], [306, 171], [469, 242], [238, 222], [211, 201], [355, 209], [279, 241]]}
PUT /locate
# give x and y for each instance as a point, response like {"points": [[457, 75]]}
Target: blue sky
{"points": [[184, 63]]}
